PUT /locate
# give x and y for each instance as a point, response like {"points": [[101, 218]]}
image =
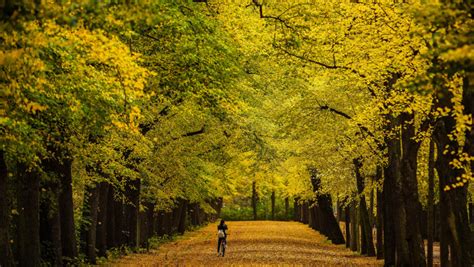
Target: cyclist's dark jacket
{"points": [[223, 227]]}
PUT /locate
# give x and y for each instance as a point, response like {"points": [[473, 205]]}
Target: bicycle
{"points": [[222, 247]]}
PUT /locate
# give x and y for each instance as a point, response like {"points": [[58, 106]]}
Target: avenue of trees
{"points": [[125, 120]]}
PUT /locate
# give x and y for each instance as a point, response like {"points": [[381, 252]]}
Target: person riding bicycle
{"points": [[222, 235]]}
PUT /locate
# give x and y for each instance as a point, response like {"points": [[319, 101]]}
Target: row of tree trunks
{"points": [[49, 215], [111, 227], [44, 223]]}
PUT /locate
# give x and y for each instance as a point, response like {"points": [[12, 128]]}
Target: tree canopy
{"points": [[130, 108]]}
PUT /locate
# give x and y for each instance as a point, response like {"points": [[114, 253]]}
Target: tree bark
{"points": [[412, 237], [66, 212], [305, 212], [6, 257], [329, 224], [391, 172], [119, 223], [50, 229], [28, 219], [455, 232], [471, 213], [273, 205], [347, 216], [135, 199], [182, 216], [111, 220], [297, 209], [101, 235], [150, 218], [367, 244], [316, 218], [379, 218], [159, 223], [50, 220], [354, 232], [254, 199], [431, 162], [90, 225], [287, 208]]}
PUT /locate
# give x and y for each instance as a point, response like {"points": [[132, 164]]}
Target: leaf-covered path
{"points": [[252, 243]]}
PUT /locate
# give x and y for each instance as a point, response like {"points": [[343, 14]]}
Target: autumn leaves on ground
{"points": [[251, 243]]}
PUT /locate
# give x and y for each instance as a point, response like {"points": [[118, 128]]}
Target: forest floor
{"points": [[255, 243]]}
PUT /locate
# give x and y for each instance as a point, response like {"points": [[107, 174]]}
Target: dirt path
{"points": [[253, 243]]}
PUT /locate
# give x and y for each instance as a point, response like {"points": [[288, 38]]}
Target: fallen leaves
{"points": [[256, 243]]}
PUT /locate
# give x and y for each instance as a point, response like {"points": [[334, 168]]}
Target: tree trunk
{"points": [[430, 215], [90, 226], [182, 216], [329, 224], [443, 229], [111, 220], [471, 213], [316, 218], [367, 245], [371, 209], [66, 212], [305, 212], [287, 208], [50, 221], [159, 223], [143, 229], [168, 223], [135, 199], [150, 218], [254, 199], [354, 233], [379, 218], [297, 209], [220, 203], [6, 257], [119, 223], [28, 219], [455, 231], [391, 172], [101, 242], [347, 217], [273, 205], [363, 237], [412, 236], [50, 228]]}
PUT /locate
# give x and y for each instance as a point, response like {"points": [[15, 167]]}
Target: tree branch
{"points": [[338, 112], [200, 131], [278, 18], [362, 128]]}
